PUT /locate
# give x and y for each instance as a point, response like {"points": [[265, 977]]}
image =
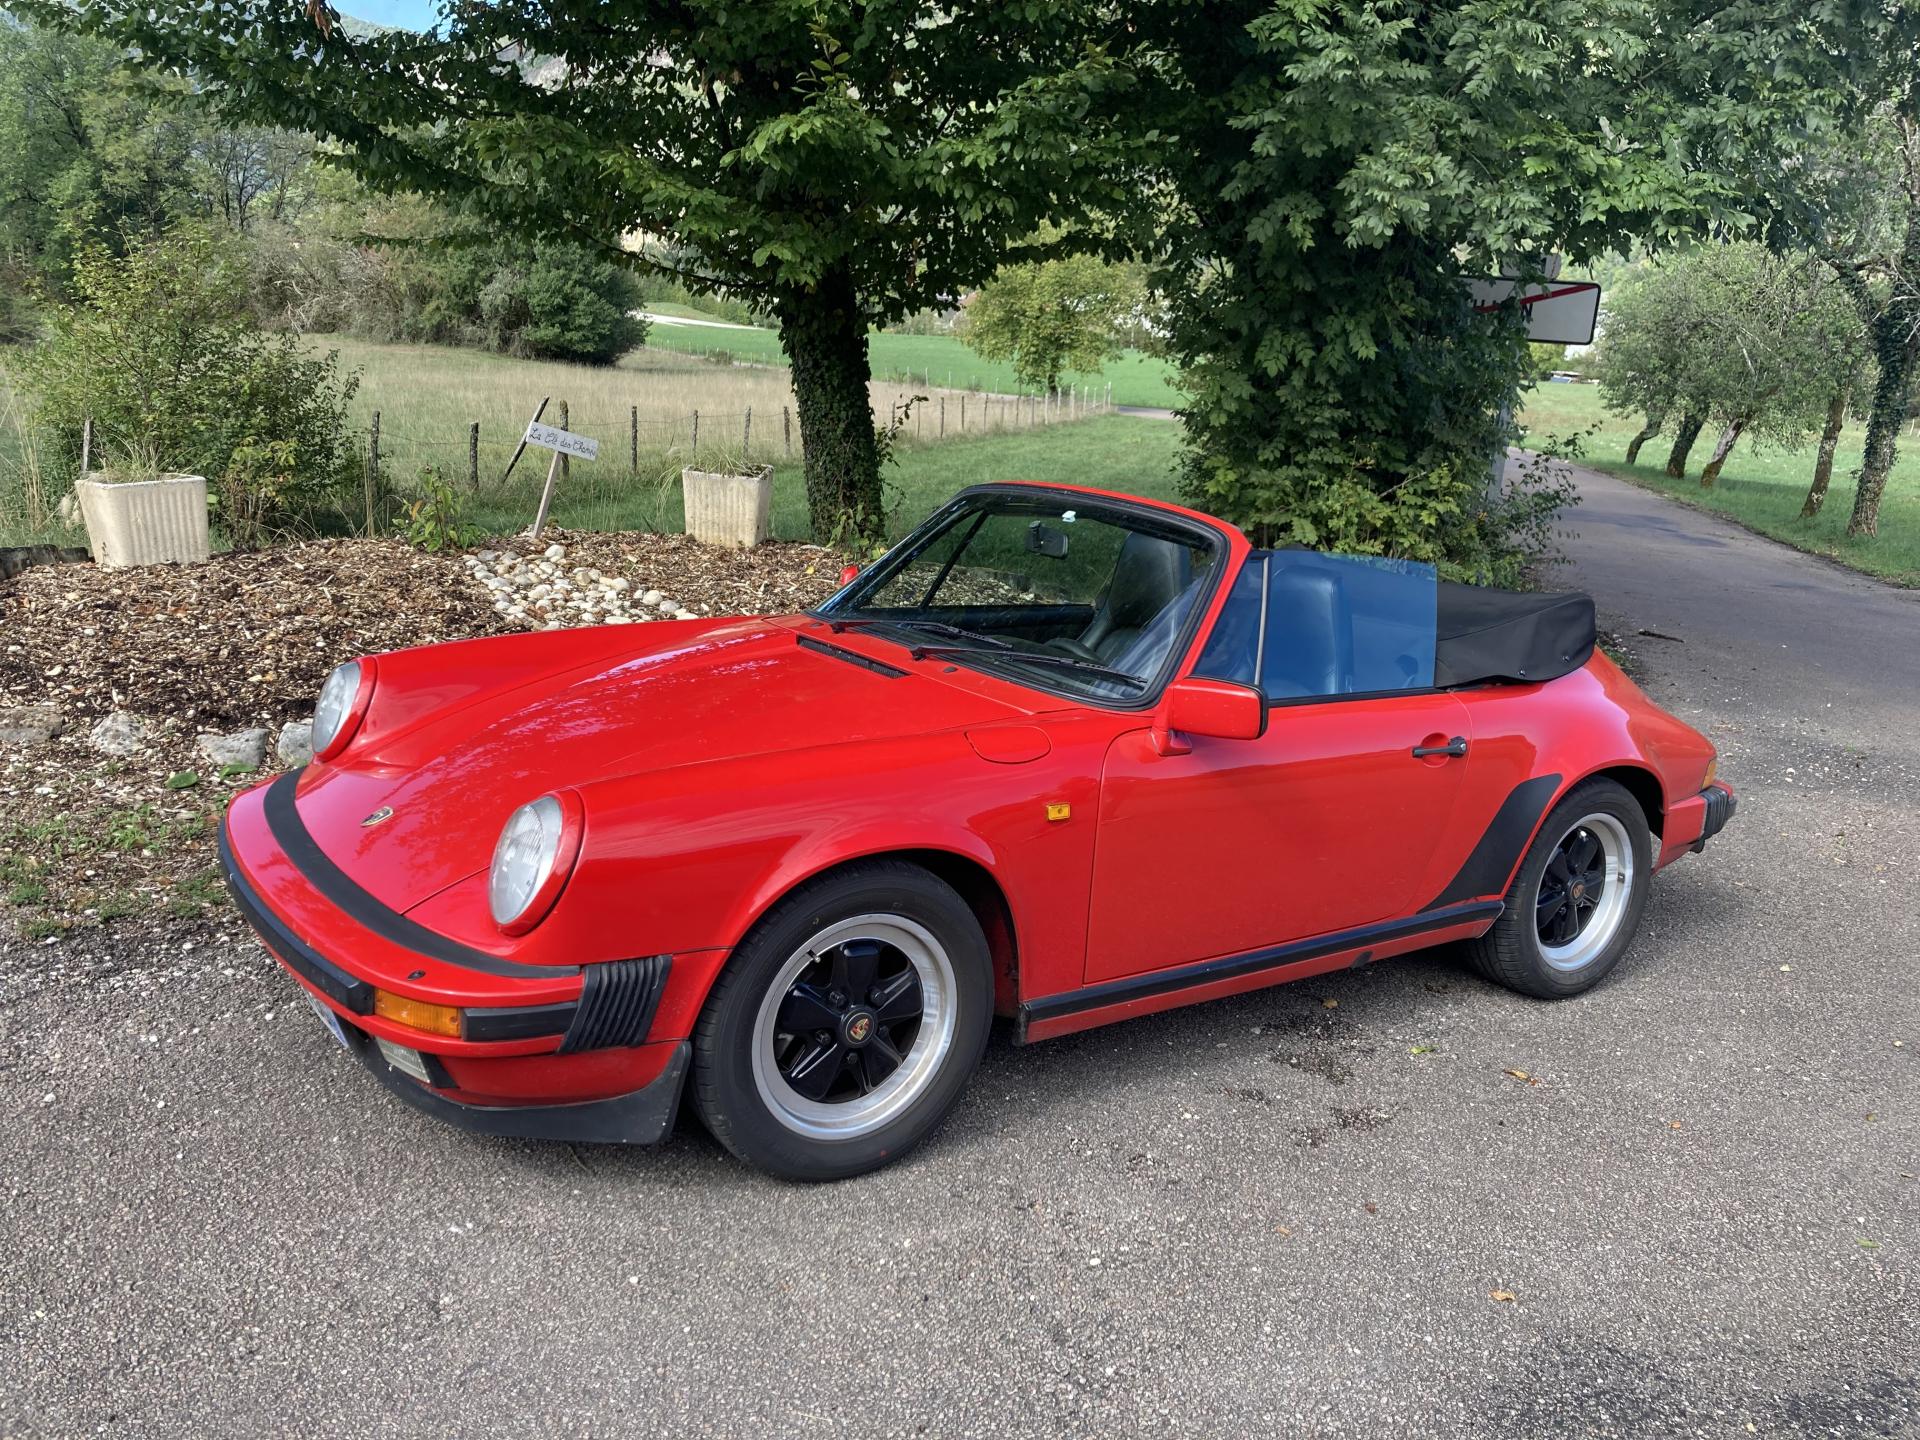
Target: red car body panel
{"points": [[719, 764]]}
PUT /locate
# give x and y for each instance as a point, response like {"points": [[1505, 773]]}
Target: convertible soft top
{"points": [[1484, 634]]}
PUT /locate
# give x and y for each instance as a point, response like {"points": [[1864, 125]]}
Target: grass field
{"points": [[1761, 488], [941, 360]]}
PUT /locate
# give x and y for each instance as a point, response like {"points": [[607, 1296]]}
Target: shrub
{"points": [[562, 302], [161, 354]]}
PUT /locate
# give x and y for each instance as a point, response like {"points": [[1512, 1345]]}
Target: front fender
{"points": [[690, 858]]}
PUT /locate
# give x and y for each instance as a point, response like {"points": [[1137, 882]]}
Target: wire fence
{"points": [[488, 457]]}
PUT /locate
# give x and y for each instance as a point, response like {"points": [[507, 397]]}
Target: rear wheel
{"points": [[1574, 905], [847, 1024]]}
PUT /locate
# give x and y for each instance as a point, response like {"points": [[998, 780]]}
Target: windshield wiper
{"points": [[1038, 657], [939, 627]]}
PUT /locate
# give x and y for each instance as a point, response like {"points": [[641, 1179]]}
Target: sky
{"points": [[409, 14]]}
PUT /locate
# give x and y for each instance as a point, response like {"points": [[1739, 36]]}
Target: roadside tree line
{"points": [[1783, 344]]}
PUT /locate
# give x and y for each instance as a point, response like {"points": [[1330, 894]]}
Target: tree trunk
{"points": [[824, 333], [1897, 353], [1690, 427], [1896, 345], [1729, 437], [1656, 421], [1823, 460]]}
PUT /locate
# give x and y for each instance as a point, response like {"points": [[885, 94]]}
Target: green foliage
{"points": [[95, 153], [838, 165], [1054, 316], [1339, 166], [160, 354], [435, 519]]}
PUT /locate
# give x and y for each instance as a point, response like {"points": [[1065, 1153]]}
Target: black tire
{"points": [[1515, 952], [755, 1111]]}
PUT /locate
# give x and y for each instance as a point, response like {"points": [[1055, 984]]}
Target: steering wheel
{"points": [[1067, 645]]}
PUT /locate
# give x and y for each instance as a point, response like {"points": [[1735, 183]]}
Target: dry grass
{"points": [[429, 397]]}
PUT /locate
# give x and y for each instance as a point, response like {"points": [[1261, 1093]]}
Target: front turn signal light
{"points": [[1713, 769], [420, 1014]]}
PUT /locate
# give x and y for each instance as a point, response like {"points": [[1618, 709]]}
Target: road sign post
{"points": [[1556, 312], [560, 442]]}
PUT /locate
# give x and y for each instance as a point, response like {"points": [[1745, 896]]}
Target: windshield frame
{"points": [[844, 604]]}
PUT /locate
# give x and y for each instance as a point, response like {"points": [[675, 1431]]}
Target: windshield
{"points": [[1089, 598]]}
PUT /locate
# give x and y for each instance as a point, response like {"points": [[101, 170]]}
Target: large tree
{"points": [[1338, 166], [843, 164]]}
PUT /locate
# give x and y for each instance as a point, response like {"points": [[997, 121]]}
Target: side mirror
{"points": [[1217, 709], [850, 574]]}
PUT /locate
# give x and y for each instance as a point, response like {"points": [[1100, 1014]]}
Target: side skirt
{"points": [[1158, 990]]}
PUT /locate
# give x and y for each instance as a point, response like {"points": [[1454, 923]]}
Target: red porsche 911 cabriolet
{"points": [[1060, 756]]}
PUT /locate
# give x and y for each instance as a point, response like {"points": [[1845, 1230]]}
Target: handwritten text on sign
{"points": [[551, 437]]}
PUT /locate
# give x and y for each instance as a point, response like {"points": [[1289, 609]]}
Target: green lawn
{"points": [[1117, 452], [1761, 488], [941, 360]]}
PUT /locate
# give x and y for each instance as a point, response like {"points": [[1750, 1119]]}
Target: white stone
{"points": [[652, 597], [667, 607], [556, 552], [121, 733], [30, 724], [242, 747], [295, 743]]}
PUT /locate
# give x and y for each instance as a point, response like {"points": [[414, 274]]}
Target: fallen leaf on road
{"points": [[1372, 1209], [1673, 1124], [1505, 1297], [1866, 1244], [1419, 1049], [1282, 1231], [1330, 1003], [1523, 1075]]}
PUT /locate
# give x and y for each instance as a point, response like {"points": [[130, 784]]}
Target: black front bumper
{"points": [[1720, 807], [640, 1117]]}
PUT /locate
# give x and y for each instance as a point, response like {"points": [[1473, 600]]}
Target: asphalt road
{"points": [[1262, 1216]]}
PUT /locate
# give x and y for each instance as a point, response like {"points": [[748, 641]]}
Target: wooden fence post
{"points": [[372, 473], [633, 440], [86, 448], [473, 457], [786, 427], [943, 417], [695, 450], [746, 434], [565, 465], [963, 414]]}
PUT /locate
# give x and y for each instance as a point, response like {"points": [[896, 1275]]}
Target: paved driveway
{"points": [[1263, 1216]]}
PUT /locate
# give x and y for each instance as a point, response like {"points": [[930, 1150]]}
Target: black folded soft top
{"points": [[1484, 634]]}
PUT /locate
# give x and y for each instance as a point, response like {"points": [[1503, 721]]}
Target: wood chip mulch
{"points": [[246, 639]]}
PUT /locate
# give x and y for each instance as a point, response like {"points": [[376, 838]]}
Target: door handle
{"points": [[1455, 747]]}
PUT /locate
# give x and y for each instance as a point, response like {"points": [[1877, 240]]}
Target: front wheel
{"points": [[847, 1024], [1573, 907]]}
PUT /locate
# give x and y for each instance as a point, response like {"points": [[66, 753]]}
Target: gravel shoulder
{"points": [[1292, 1212]]}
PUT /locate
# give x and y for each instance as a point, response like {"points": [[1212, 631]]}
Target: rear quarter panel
{"points": [[1573, 728]]}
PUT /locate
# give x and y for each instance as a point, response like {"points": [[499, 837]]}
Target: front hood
{"points": [[723, 692]]}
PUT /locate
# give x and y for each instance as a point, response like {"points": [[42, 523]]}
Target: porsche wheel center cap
{"points": [[857, 1027], [1579, 892]]}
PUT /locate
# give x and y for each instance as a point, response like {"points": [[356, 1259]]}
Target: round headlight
{"points": [[536, 851], [337, 712]]}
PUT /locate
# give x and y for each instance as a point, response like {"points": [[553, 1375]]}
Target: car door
{"points": [[1337, 817], [1325, 823]]}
